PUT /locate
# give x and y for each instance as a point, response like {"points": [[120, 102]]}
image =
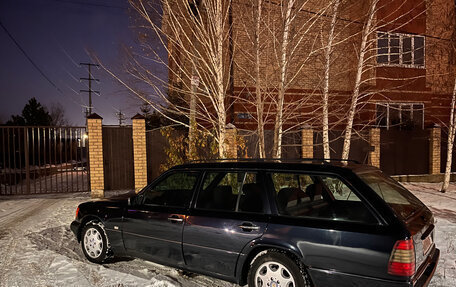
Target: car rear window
{"points": [[402, 201]]}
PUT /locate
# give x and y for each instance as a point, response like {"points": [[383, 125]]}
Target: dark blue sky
{"points": [[56, 34]]}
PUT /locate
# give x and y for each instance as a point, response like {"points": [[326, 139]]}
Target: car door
{"points": [[152, 228], [230, 212]]}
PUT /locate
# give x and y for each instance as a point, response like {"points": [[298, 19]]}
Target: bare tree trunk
{"points": [[359, 73], [278, 124], [328, 52], [451, 133], [192, 117], [219, 77], [258, 92]]}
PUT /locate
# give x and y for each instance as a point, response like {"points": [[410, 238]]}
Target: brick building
{"points": [[409, 78], [407, 82]]}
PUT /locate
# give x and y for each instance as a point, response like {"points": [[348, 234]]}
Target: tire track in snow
{"points": [[11, 227]]}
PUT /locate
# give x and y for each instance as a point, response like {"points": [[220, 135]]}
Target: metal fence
{"points": [[36, 160]]}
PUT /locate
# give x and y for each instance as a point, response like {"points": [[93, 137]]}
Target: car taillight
{"points": [[77, 212], [402, 259]]}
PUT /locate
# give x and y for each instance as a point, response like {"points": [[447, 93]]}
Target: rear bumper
{"points": [[427, 269], [74, 226], [332, 278]]}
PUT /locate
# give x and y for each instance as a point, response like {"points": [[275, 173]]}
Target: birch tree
{"points": [[367, 30], [195, 36], [450, 144], [258, 89], [328, 52], [452, 122]]}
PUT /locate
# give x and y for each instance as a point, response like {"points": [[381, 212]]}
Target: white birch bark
{"points": [[328, 52], [219, 75], [283, 64], [258, 91], [359, 72], [450, 144]]}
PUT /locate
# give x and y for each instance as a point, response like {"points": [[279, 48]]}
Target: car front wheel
{"points": [[94, 242], [275, 268]]}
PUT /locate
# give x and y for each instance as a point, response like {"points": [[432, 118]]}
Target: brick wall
{"points": [[434, 150], [374, 141], [94, 123], [139, 152], [230, 141], [307, 143]]}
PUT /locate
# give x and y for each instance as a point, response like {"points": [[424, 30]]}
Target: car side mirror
{"points": [[133, 200]]}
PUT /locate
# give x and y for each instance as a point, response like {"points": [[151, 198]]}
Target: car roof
{"points": [[278, 164]]}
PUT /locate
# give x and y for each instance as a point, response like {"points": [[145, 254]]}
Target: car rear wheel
{"points": [[94, 242], [276, 269]]}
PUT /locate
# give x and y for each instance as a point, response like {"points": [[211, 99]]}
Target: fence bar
{"points": [[14, 160], [65, 147], [50, 159], [45, 159], [71, 155], [9, 163], [78, 157], [54, 135], [27, 160], [4, 160], [39, 158], [33, 159], [60, 160]]}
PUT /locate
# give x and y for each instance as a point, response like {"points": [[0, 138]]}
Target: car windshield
{"points": [[402, 201]]}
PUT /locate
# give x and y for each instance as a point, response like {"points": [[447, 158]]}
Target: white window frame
{"points": [[401, 51], [400, 104]]}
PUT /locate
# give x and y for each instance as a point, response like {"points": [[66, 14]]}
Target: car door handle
{"points": [[175, 219], [246, 226]]}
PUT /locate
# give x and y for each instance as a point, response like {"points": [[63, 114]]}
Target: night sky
{"points": [[56, 35]]}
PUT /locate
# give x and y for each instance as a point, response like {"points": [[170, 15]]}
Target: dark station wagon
{"points": [[270, 223]]}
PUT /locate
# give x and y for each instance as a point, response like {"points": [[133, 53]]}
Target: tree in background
{"points": [[33, 114], [153, 119], [57, 113], [192, 33]]}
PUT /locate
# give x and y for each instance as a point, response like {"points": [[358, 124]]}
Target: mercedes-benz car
{"points": [[270, 223]]}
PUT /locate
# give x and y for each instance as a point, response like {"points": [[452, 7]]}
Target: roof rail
{"points": [[323, 160]]}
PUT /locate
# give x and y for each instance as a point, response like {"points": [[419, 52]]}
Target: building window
{"points": [[400, 115], [244, 116], [400, 50]]}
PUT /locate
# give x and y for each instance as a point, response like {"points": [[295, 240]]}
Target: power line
{"points": [[89, 91], [29, 58], [120, 117], [91, 4]]}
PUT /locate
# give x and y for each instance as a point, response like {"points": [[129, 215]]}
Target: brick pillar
{"points": [[374, 141], [434, 150], [230, 141], [307, 143], [94, 122], [139, 151]]}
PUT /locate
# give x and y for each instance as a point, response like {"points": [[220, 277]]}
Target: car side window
{"points": [[231, 191], [318, 196], [174, 190], [339, 190]]}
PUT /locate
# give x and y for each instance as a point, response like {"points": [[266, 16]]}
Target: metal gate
{"points": [[118, 158], [37, 160], [404, 151], [359, 146]]}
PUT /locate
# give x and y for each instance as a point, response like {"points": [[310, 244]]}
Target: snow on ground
{"points": [[38, 248], [443, 205]]}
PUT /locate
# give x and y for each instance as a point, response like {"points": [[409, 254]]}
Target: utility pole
{"points": [[120, 117], [89, 91]]}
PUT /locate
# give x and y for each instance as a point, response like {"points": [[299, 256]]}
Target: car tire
{"points": [[94, 242], [274, 266]]}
